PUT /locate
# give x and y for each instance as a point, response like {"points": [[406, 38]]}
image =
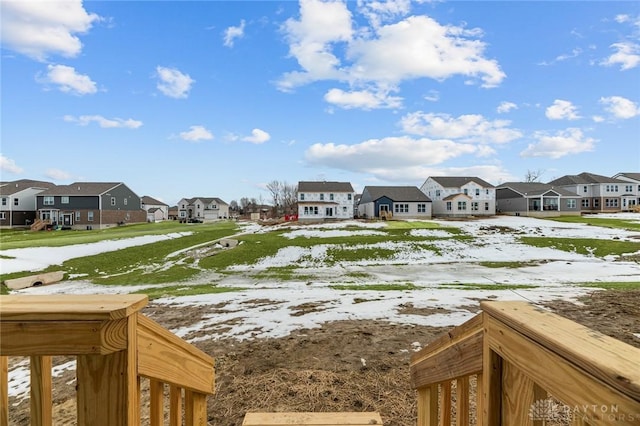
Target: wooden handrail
{"points": [[529, 365], [115, 345]]}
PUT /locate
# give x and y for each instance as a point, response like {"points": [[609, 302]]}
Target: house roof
{"points": [[13, 187], [454, 196], [150, 200], [206, 200], [82, 188], [324, 186], [395, 193], [153, 210], [535, 189], [633, 176], [459, 181], [585, 179]]}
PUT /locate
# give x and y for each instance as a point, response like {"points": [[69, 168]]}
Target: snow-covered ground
{"points": [[437, 276]]}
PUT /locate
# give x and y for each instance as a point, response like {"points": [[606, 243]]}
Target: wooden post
{"points": [[428, 406], [195, 408], [108, 385], [462, 401], [156, 404], [491, 382], [445, 403], [175, 406], [4, 391], [41, 406]]}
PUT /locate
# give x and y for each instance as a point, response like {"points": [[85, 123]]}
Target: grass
{"points": [[600, 221], [477, 286], [585, 246], [515, 264], [186, 290], [374, 287], [613, 285]]}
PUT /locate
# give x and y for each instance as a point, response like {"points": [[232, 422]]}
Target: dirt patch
{"points": [[342, 366]]}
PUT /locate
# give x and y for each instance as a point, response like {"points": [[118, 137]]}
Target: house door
{"points": [[383, 208], [67, 219], [328, 212]]}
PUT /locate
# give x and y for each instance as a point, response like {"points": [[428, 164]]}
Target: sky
{"points": [[181, 99], [244, 314]]}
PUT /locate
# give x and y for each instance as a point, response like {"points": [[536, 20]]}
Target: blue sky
{"points": [[217, 98]]}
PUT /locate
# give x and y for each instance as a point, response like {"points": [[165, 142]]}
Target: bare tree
{"points": [[533, 175], [275, 189]]}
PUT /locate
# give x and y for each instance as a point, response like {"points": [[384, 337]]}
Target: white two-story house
{"points": [[18, 202], [202, 208], [325, 200], [631, 196], [156, 210], [460, 196], [598, 193]]}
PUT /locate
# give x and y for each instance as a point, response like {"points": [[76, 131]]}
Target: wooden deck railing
{"points": [[115, 346], [526, 366]]}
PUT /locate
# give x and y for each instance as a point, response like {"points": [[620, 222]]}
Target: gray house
{"points": [[89, 205], [536, 199], [460, 196], [18, 202], [401, 202], [202, 208], [598, 193]]}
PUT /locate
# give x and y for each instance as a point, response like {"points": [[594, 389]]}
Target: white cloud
{"points": [[257, 136], [620, 107], [196, 134], [106, 123], [381, 56], [432, 96], [173, 83], [562, 110], [362, 99], [505, 107], [627, 55], [39, 29], [379, 11], [470, 128], [57, 174], [9, 165], [567, 142], [597, 119], [393, 152], [68, 80], [232, 33]]}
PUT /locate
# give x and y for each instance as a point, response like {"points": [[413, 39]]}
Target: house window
{"points": [[77, 216], [321, 197], [64, 199], [3, 216], [584, 189], [401, 208], [306, 210], [125, 201], [4, 201], [486, 207], [90, 216], [486, 191], [301, 197], [466, 191], [628, 188], [571, 204], [422, 208], [585, 202], [611, 202], [113, 201], [477, 191], [16, 201], [344, 209], [315, 210], [596, 203], [449, 206], [437, 192], [462, 205], [47, 201], [331, 197], [198, 206], [183, 214], [474, 206], [349, 197]]}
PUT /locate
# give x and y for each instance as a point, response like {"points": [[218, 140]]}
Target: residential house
{"points": [[631, 196], [90, 205], [18, 202], [202, 208], [173, 213], [325, 200], [460, 196], [401, 202], [536, 199], [598, 193], [156, 210]]}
